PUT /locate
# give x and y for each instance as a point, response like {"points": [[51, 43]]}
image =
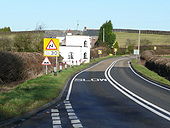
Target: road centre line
{"points": [[146, 79], [133, 96]]}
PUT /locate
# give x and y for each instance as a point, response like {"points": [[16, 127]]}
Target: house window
{"points": [[70, 55], [85, 55], [85, 43]]}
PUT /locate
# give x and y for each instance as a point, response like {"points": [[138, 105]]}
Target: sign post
{"points": [[46, 62], [51, 49]]}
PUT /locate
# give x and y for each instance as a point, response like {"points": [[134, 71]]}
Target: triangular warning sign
{"points": [[51, 45], [46, 61]]}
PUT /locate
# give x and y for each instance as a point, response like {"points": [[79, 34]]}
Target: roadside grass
{"points": [[166, 56], [36, 92], [148, 73]]}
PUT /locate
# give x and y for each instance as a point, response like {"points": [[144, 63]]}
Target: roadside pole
{"points": [[46, 62], [139, 45], [46, 71], [56, 65]]}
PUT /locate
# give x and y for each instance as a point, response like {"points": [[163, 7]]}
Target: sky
{"points": [[25, 15]]}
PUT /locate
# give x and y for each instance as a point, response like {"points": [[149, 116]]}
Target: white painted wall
{"points": [[78, 40], [76, 45]]}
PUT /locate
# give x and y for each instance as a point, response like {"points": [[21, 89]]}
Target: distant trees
{"points": [[5, 29], [6, 44], [106, 35], [22, 42], [28, 43]]}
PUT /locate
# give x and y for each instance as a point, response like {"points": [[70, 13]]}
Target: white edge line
{"points": [[132, 98], [71, 83], [146, 79]]}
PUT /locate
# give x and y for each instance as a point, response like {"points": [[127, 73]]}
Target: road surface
{"points": [[107, 95]]}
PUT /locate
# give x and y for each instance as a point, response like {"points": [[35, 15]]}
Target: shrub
{"points": [[21, 66], [6, 44]]}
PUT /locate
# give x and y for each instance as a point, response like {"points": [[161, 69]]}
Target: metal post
{"points": [[103, 35], [46, 69], [56, 65]]}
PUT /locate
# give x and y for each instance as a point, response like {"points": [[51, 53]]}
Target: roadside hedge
{"points": [[18, 66], [156, 63]]}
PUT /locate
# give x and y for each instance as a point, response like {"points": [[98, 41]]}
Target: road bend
{"points": [[107, 95]]}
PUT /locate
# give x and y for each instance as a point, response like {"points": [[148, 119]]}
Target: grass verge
{"points": [[36, 92], [148, 73]]}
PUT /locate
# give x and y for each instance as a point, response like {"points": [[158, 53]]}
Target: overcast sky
{"points": [[23, 15]]}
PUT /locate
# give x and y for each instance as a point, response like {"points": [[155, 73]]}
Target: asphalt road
{"points": [[108, 95]]}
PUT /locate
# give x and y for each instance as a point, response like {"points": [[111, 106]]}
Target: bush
{"points": [[11, 67], [28, 43], [6, 44], [21, 66]]}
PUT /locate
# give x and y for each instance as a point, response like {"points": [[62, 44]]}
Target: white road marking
{"points": [[90, 80], [73, 117], [55, 114], [67, 102], [56, 122], [69, 92], [75, 121], [68, 107], [71, 114], [70, 110], [77, 126], [146, 79], [54, 110], [71, 83], [135, 97], [55, 118], [57, 126]]}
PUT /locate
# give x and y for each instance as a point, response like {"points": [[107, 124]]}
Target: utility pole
{"points": [[139, 45], [139, 42], [103, 35]]}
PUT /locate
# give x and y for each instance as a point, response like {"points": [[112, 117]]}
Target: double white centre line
{"points": [[146, 104]]}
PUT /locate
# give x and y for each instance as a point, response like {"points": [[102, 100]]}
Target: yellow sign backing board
{"points": [[51, 47], [100, 52]]}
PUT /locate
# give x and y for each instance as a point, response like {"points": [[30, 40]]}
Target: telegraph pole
{"points": [[139, 42], [103, 35]]}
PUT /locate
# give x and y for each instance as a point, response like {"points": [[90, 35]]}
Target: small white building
{"points": [[75, 49]]}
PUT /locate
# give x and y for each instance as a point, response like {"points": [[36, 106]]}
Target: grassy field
{"points": [[155, 39], [36, 92], [148, 73], [122, 38]]}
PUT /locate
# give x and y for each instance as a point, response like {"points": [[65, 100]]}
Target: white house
{"points": [[75, 49]]}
